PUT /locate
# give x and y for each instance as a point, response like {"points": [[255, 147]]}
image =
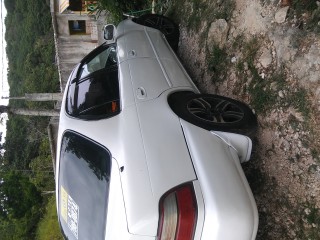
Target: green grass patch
{"points": [[48, 227], [192, 12], [299, 100], [218, 62], [311, 215], [312, 17], [262, 96]]}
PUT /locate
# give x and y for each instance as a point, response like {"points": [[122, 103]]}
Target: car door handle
{"points": [[141, 93]]}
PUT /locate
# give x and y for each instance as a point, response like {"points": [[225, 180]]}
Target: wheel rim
{"points": [[215, 110], [160, 23]]}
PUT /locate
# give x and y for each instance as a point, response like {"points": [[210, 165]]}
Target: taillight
{"points": [[178, 214]]}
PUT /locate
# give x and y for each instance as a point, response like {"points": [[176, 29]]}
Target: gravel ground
{"points": [[267, 54]]}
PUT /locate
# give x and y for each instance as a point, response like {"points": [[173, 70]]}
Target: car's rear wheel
{"points": [[214, 112], [165, 25]]}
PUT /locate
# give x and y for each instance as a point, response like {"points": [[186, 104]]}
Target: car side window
{"points": [[105, 59], [95, 94]]}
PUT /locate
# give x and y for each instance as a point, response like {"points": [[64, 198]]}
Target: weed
{"points": [[279, 77], [312, 168], [308, 14], [299, 100], [302, 6], [313, 23], [262, 96], [225, 9], [311, 214], [315, 154], [218, 62]]}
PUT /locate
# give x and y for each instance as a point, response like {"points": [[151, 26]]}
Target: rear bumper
{"points": [[229, 209]]}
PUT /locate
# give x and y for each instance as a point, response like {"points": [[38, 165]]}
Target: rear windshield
{"points": [[83, 187]]}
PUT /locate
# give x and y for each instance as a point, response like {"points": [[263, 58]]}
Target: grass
{"points": [[310, 222], [262, 96], [299, 100], [48, 228], [218, 62], [194, 12], [311, 13]]}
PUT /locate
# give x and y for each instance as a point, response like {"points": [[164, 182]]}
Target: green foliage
{"points": [[48, 228], [117, 7], [20, 229], [41, 166], [308, 14], [9, 5], [304, 5], [29, 29], [18, 196], [31, 56]]}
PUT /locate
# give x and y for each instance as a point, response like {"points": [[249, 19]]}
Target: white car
{"points": [[142, 154]]}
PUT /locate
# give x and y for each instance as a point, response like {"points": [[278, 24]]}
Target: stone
{"points": [[281, 94], [265, 58], [218, 33], [281, 15]]}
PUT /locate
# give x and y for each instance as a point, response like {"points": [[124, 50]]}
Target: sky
{"points": [[4, 87]]}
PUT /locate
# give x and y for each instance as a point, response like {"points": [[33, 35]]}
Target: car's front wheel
{"points": [[214, 112]]}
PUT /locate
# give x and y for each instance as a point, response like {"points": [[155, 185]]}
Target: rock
{"points": [[265, 58], [218, 33], [281, 15], [233, 59], [281, 94], [307, 211]]}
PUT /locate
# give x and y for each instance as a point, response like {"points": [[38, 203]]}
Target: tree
{"points": [[17, 195]]}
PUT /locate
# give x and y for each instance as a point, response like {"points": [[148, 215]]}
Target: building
{"points": [[76, 30]]}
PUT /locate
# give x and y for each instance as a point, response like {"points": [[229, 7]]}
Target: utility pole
{"points": [[29, 112], [39, 97], [36, 97]]}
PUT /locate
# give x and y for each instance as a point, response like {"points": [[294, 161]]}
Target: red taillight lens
{"points": [[178, 214]]}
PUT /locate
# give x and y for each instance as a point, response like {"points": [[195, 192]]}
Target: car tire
{"points": [[214, 112], [165, 25]]}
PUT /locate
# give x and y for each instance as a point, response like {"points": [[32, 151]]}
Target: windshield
{"points": [[84, 177]]}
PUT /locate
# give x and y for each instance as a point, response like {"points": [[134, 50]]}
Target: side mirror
{"points": [[109, 32]]}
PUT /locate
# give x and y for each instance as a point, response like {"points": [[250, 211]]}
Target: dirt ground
{"points": [[267, 54]]}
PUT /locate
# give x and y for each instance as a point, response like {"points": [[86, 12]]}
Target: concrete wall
{"points": [[63, 23], [70, 49]]}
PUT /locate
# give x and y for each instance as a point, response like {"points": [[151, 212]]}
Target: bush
{"points": [[48, 227], [116, 8]]}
